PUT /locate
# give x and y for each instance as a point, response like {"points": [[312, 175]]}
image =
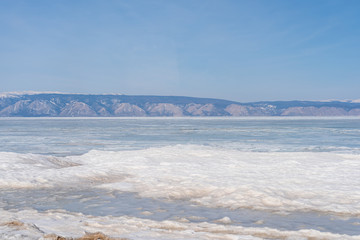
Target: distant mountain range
{"points": [[115, 105]]}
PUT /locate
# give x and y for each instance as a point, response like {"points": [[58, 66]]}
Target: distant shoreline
{"points": [[112, 105]]}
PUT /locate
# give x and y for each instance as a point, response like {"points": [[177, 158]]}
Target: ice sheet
{"points": [[30, 224], [208, 176]]}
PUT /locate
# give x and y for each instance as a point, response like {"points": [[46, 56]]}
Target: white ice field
{"points": [[180, 178]]}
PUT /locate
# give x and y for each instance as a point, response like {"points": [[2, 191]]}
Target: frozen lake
{"points": [[181, 178]]}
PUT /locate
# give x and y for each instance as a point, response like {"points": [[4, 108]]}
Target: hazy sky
{"points": [[238, 50]]}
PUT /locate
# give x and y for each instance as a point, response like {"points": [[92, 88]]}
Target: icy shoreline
{"points": [[35, 225]]}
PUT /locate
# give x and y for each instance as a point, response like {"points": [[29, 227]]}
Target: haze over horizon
{"points": [[243, 51], [14, 93]]}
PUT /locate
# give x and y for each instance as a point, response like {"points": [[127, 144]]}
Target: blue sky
{"points": [[232, 49]]}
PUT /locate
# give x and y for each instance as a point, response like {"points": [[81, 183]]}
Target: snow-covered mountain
{"points": [[50, 104]]}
